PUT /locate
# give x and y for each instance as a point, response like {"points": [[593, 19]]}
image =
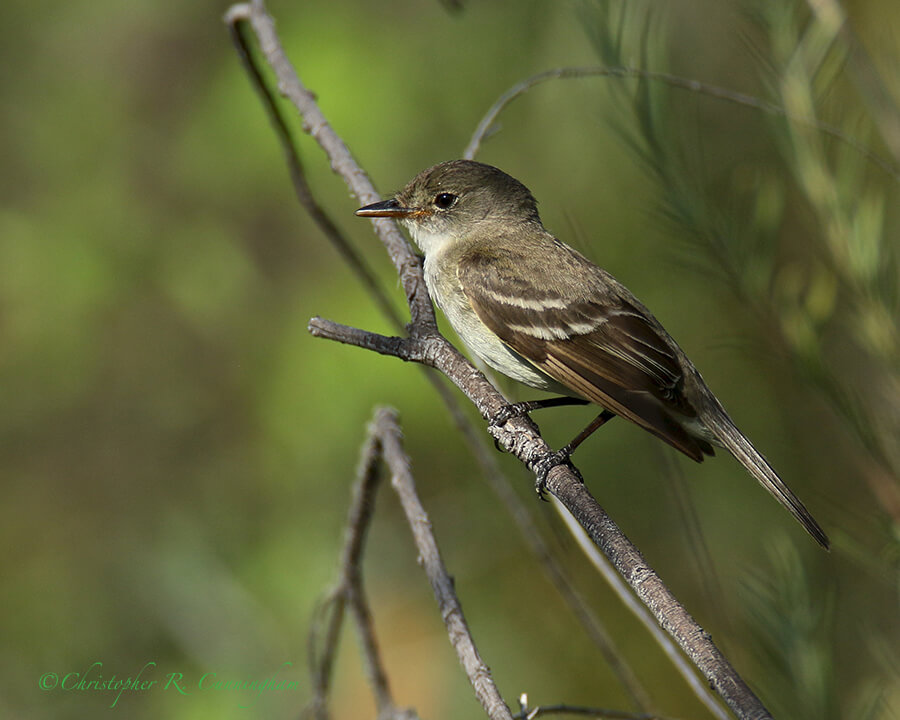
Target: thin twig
{"points": [[302, 189], [561, 582], [486, 125], [342, 162], [648, 586], [430, 558], [362, 507], [325, 631], [349, 591]]}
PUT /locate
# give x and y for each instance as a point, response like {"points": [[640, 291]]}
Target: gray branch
{"points": [[477, 671], [519, 436]]}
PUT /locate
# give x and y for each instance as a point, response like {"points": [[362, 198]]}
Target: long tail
{"points": [[739, 446]]}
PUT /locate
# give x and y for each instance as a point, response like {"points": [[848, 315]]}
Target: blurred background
{"points": [[177, 452]]}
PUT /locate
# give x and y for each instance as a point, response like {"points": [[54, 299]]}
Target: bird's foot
{"points": [[514, 410], [508, 412], [547, 463]]}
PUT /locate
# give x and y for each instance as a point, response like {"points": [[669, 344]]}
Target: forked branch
{"points": [[385, 444]]}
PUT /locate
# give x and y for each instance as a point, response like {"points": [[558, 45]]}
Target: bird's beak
{"points": [[385, 208]]}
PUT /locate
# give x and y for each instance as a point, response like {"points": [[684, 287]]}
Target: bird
{"points": [[541, 313]]}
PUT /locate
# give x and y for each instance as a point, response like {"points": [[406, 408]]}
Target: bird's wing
{"points": [[583, 333]]}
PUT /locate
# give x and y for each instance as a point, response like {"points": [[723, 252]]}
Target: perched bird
{"points": [[541, 313]]}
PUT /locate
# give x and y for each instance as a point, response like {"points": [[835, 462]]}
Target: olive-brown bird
{"points": [[543, 314]]}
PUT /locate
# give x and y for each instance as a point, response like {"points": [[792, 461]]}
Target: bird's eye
{"points": [[444, 201]]}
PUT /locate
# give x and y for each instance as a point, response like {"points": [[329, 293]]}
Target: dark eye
{"points": [[443, 201]]}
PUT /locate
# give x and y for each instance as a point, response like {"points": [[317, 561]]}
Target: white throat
{"points": [[429, 241]]}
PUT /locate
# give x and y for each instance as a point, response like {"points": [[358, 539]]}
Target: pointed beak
{"points": [[385, 208]]}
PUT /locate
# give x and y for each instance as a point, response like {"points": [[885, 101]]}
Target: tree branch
{"points": [[519, 436], [384, 443], [581, 711], [615, 581], [478, 673], [498, 481], [349, 591], [500, 484]]}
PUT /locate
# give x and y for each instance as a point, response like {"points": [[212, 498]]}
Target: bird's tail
{"points": [[739, 446]]}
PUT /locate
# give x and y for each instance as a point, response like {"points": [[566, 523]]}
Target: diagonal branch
{"points": [[602, 565], [384, 443], [240, 39], [519, 436], [342, 162], [497, 480]]}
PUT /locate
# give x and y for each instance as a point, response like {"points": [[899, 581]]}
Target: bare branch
{"points": [[383, 344], [342, 162], [581, 711], [648, 586], [349, 591], [614, 580], [302, 189], [563, 584], [498, 481], [519, 436], [362, 507], [430, 559], [322, 642]]}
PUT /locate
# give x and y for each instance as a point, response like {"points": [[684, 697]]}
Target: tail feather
{"points": [[739, 446]]}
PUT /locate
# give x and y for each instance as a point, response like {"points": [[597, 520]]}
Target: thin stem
{"points": [[349, 593], [486, 125], [430, 558], [627, 598]]}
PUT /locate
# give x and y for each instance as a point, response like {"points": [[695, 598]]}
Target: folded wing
{"points": [[588, 337]]}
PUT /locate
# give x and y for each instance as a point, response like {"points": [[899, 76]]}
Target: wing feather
{"points": [[592, 340]]}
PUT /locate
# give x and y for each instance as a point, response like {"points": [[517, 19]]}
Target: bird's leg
{"points": [[523, 408], [596, 424], [561, 457]]}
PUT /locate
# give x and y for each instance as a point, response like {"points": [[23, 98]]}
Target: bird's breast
{"points": [[447, 293]]}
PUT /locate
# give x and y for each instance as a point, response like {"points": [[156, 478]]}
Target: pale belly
{"points": [[482, 342]]}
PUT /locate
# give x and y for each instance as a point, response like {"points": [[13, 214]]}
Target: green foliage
{"points": [[792, 615]]}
